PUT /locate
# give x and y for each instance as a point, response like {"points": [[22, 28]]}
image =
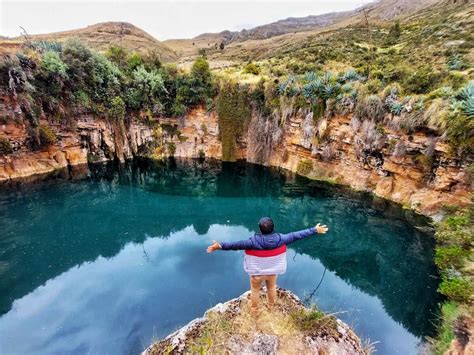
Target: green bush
{"points": [[134, 60], [421, 81], [450, 257], [53, 64], [457, 289], [5, 146], [47, 137], [145, 89], [454, 237], [251, 68], [117, 55], [394, 33], [117, 109]]}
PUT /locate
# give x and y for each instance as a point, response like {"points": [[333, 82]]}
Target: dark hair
{"points": [[266, 225]]}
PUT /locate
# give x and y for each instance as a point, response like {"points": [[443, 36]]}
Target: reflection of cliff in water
{"points": [[384, 255]]}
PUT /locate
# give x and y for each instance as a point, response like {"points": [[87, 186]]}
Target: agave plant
{"points": [[47, 46], [313, 89], [331, 90], [310, 76], [456, 62], [328, 77], [350, 75], [396, 108], [346, 88], [466, 99], [288, 87]]}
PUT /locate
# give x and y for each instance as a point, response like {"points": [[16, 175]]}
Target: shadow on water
{"points": [[374, 245]]}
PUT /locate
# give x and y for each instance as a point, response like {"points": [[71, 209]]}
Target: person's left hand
{"points": [[214, 246], [321, 229]]}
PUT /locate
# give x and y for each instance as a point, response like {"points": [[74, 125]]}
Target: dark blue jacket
{"points": [[267, 241]]}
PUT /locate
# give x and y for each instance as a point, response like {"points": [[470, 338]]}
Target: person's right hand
{"points": [[214, 246], [321, 229]]}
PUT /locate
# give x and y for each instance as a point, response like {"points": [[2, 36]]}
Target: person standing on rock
{"points": [[265, 256]]}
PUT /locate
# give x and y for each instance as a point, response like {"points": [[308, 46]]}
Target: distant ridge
{"points": [[383, 10], [100, 36]]}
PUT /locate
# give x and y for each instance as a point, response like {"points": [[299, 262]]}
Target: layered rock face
{"points": [[415, 170], [91, 141]]}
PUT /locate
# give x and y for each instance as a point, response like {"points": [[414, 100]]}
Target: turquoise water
{"points": [[107, 263]]}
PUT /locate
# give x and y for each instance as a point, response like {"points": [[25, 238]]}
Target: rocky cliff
{"points": [[229, 328], [91, 140], [416, 170]]}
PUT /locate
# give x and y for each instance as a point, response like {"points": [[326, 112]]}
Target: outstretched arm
{"points": [[294, 236], [238, 245]]}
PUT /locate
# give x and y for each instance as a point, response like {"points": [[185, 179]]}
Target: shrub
{"points": [[454, 237], [421, 81], [146, 88], [47, 137], [103, 78], [450, 257], [53, 64], [134, 60], [457, 289], [5, 146], [117, 109], [117, 55], [251, 68], [178, 109], [399, 150], [394, 33]]}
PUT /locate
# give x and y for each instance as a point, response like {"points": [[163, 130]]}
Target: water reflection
{"points": [[103, 264]]}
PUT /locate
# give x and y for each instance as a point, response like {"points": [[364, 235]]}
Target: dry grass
{"points": [[290, 323]]}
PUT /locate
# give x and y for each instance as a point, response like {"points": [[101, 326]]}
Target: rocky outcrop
{"points": [[229, 328], [91, 141]]}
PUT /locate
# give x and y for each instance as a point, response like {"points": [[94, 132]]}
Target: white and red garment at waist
{"points": [[265, 262]]}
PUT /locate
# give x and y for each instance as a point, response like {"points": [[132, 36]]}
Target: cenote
{"points": [[109, 262]]}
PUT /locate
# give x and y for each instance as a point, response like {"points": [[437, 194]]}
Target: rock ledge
{"points": [[289, 328]]}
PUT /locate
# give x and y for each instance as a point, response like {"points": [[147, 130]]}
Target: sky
{"points": [[162, 19]]}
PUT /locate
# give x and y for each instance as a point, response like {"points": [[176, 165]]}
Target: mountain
{"points": [[378, 11], [100, 36]]}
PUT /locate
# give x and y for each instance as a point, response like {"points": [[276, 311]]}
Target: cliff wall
{"points": [[415, 170]]}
